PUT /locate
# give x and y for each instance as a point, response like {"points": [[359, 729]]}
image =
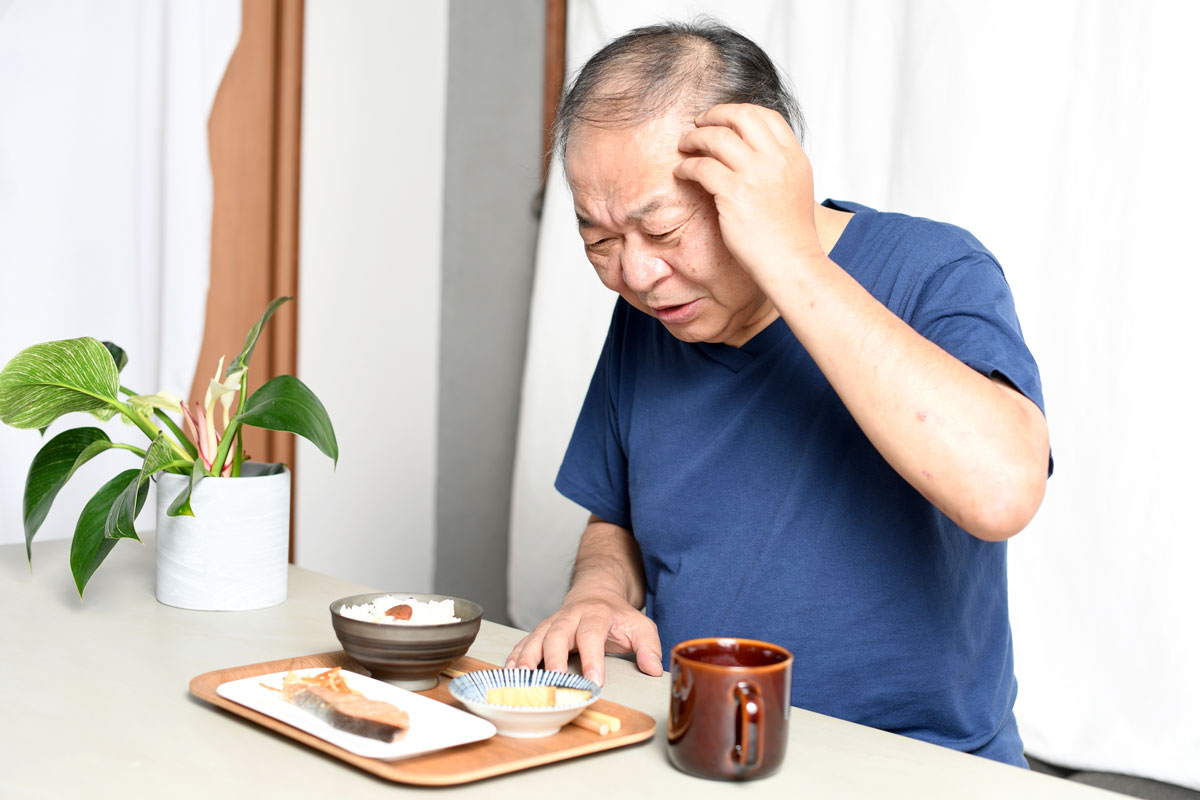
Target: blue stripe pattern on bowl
{"points": [[473, 686]]}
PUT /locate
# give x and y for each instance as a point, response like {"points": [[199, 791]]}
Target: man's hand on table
{"points": [[594, 625]]}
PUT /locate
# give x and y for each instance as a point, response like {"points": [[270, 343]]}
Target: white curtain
{"points": [[1062, 135], [105, 202]]}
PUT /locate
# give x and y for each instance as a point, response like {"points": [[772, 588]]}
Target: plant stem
{"points": [[147, 427], [170, 423], [223, 447], [242, 392], [239, 455], [183, 440], [119, 446]]}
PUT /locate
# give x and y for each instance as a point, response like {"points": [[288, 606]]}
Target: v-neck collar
{"points": [[735, 358]]}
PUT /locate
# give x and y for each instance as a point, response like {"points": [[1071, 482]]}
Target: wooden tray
{"points": [[469, 762]]}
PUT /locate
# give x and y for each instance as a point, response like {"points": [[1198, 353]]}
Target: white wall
{"points": [[372, 158], [105, 206]]}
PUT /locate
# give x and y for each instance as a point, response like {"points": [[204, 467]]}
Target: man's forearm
{"points": [[976, 449], [608, 562]]}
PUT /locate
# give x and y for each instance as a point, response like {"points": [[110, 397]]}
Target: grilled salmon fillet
{"points": [[348, 711]]}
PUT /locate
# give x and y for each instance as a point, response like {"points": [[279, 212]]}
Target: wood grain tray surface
{"points": [[463, 764]]}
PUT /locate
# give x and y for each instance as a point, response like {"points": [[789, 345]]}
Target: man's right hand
{"points": [[593, 624]]}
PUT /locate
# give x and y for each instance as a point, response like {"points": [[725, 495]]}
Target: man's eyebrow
{"points": [[645, 211], [648, 209]]}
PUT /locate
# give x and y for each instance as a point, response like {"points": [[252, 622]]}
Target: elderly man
{"points": [[810, 424]]}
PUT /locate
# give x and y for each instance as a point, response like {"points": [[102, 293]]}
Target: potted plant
{"points": [[209, 496]]}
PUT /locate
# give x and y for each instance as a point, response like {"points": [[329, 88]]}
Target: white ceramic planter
{"points": [[232, 555]]}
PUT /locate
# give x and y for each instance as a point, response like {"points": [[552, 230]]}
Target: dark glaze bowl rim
{"points": [[717, 640]]}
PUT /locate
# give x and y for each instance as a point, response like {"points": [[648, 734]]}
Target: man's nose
{"points": [[641, 270]]}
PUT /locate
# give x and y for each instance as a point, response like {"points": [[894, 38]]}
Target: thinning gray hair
{"points": [[685, 66]]}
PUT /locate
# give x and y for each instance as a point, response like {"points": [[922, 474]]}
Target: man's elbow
{"points": [[1007, 505]]}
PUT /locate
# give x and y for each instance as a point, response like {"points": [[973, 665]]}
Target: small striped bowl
{"points": [[519, 721]]}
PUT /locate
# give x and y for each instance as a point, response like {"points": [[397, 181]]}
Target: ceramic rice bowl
{"points": [[410, 656], [521, 722]]}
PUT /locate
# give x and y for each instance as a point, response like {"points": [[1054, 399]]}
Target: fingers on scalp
{"points": [[718, 141], [708, 172], [720, 114], [757, 125], [780, 128], [739, 116]]}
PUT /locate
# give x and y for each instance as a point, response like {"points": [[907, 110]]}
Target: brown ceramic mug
{"points": [[730, 703]]}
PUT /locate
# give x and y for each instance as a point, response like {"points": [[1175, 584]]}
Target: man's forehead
{"points": [[627, 173], [593, 149], [665, 201]]}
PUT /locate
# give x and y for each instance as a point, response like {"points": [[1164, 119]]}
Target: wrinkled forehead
{"points": [[616, 166]]}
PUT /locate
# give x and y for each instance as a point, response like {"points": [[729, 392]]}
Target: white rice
{"points": [[431, 612]]}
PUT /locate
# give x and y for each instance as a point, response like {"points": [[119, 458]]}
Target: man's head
{"points": [[651, 237], [672, 67]]}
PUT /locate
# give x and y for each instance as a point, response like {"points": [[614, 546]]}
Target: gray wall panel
{"points": [[493, 158]]}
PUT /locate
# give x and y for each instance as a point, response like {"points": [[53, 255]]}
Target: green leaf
{"points": [[119, 357], [243, 359], [47, 380], [119, 523], [285, 404], [52, 467], [181, 506], [89, 547]]}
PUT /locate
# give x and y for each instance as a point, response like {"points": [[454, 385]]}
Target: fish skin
{"points": [[361, 716]]}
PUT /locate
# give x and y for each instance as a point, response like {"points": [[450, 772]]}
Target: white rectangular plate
{"points": [[432, 725]]}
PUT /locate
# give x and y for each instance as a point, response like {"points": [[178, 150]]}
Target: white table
{"points": [[95, 704]]}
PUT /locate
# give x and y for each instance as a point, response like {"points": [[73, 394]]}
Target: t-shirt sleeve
{"points": [[967, 309], [594, 471]]}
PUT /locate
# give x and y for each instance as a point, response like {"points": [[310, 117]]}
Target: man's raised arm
{"points": [[973, 446], [600, 612]]}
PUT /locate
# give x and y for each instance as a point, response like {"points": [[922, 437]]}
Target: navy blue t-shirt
{"points": [[762, 510]]}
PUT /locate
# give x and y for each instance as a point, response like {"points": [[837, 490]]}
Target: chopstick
{"points": [[592, 724], [595, 721], [598, 721]]}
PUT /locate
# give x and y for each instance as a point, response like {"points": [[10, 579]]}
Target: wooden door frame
{"points": [[554, 72], [254, 151]]}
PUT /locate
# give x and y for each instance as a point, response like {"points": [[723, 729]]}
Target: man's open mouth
{"points": [[676, 314]]}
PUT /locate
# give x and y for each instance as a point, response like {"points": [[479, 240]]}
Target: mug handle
{"points": [[747, 746]]}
